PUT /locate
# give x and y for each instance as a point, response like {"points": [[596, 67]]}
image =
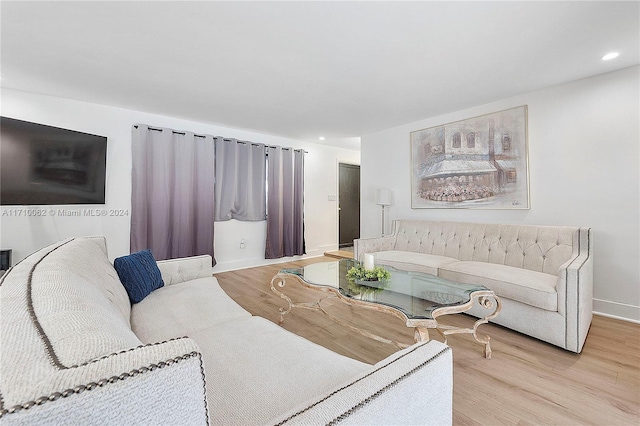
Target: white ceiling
{"points": [[306, 69]]}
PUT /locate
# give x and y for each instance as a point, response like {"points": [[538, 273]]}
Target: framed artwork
{"points": [[477, 163]]}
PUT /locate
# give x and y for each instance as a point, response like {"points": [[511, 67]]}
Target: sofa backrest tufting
{"points": [[536, 248]]}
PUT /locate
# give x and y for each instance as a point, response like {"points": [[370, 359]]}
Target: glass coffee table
{"points": [[414, 297]]}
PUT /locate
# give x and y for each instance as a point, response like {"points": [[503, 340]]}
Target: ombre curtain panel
{"points": [[285, 203], [172, 198], [240, 188]]}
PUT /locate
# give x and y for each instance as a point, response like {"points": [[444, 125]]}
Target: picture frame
{"points": [[477, 163]]}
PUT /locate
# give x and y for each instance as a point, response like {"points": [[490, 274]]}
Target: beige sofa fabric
{"points": [[543, 274], [399, 387], [256, 371], [247, 357], [182, 309], [63, 341], [414, 262], [533, 288], [185, 269], [296, 367], [91, 303], [165, 396], [536, 248]]}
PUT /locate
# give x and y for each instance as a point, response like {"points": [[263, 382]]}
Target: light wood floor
{"points": [[340, 254], [527, 382]]}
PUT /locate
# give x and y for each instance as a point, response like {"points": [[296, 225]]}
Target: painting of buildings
{"points": [[479, 162]]}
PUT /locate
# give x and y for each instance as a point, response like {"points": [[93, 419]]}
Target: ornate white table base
{"points": [[484, 298]]}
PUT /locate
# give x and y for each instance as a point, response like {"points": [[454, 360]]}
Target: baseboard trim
{"points": [[621, 311], [253, 263]]}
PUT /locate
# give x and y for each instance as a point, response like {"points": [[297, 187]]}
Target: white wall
{"points": [[26, 234], [584, 162]]}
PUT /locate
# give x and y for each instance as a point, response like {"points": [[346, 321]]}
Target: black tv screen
{"points": [[45, 165]]}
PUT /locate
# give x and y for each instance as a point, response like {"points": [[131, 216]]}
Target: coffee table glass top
{"points": [[415, 294]]}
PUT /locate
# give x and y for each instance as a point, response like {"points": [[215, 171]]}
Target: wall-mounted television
{"points": [[45, 165]]}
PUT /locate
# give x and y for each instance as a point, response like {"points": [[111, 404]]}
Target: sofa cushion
{"points": [[107, 276], [241, 380], [139, 274], [530, 287], [183, 309], [414, 262], [62, 306]]}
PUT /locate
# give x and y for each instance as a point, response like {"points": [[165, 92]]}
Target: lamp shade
{"points": [[383, 197]]}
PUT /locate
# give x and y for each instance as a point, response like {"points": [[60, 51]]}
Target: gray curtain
{"points": [[240, 180], [285, 203], [172, 198]]}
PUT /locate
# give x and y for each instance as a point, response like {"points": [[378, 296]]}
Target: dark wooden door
{"points": [[348, 203]]}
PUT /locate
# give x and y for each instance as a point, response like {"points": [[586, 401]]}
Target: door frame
{"points": [[351, 163]]}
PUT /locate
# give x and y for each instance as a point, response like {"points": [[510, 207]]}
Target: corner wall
{"points": [[584, 164], [27, 234]]}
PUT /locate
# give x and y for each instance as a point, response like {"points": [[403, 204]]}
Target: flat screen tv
{"points": [[45, 165]]}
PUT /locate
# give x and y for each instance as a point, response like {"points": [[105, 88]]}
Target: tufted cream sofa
{"points": [[543, 274], [74, 351]]}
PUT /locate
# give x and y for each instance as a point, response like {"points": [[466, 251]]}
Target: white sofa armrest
{"points": [[185, 269], [372, 245], [575, 290], [160, 383], [413, 386]]}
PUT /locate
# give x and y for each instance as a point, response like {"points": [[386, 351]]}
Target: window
{"points": [[506, 142], [471, 140], [457, 140]]}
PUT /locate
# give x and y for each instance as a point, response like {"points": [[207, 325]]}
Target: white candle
{"points": [[368, 261]]}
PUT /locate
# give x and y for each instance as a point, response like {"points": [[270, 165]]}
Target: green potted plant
{"points": [[367, 281], [358, 273]]}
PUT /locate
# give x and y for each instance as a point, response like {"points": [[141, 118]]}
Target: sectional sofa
{"points": [[542, 274], [74, 350]]}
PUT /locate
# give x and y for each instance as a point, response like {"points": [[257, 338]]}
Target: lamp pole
{"points": [[383, 198]]}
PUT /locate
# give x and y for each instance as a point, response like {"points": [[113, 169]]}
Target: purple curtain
{"points": [[285, 203], [172, 197], [240, 180]]}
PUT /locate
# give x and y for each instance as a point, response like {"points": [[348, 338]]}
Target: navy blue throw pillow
{"points": [[139, 274]]}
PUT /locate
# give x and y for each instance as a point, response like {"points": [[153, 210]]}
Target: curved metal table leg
{"points": [[421, 334], [279, 281], [485, 301], [484, 298]]}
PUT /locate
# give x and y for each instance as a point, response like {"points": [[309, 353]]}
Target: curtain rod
{"points": [[220, 137], [173, 131]]}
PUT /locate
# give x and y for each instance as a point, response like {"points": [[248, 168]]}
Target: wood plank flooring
{"points": [[527, 382], [340, 254]]}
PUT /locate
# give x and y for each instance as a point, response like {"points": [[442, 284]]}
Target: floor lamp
{"points": [[383, 198]]}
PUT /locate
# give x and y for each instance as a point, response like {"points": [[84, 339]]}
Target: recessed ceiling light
{"points": [[610, 56], [321, 138]]}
